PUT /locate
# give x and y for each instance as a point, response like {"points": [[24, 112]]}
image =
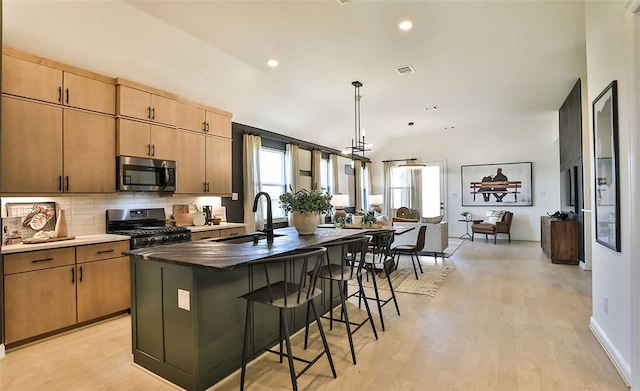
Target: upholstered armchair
{"points": [[500, 227]]}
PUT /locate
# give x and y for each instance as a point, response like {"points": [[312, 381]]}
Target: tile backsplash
{"points": [[86, 214]]}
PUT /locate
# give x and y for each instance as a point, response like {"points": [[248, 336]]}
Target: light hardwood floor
{"points": [[505, 319]]}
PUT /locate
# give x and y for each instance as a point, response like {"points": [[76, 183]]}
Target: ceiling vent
{"points": [[430, 108], [343, 2], [405, 70]]}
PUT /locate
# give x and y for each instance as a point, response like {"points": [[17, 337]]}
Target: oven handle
{"points": [[166, 175]]}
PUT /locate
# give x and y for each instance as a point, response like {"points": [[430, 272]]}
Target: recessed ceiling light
{"points": [[410, 124], [449, 128], [272, 63], [405, 25], [430, 108]]}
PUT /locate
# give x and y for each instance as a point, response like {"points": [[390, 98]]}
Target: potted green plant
{"points": [[467, 215], [306, 206]]}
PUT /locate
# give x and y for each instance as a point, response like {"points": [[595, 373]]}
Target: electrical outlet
{"points": [[234, 196], [605, 303]]}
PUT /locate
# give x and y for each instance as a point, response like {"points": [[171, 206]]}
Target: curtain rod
{"points": [[400, 160]]}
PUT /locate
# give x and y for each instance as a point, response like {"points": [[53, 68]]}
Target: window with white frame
{"points": [[324, 184], [400, 188], [272, 178]]}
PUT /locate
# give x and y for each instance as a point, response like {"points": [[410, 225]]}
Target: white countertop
{"points": [[216, 227], [78, 241]]}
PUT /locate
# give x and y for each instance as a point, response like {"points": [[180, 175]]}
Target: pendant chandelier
{"points": [[358, 143]]}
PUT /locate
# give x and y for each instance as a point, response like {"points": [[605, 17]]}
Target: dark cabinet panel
{"points": [[570, 121]]}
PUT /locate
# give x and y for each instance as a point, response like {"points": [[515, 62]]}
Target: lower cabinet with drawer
{"points": [[49, 290]]}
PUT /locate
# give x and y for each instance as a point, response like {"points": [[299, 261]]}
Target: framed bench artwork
{"points": [[497, 184]]}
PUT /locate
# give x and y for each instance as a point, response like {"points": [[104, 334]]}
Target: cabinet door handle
{"points": [[207, 127], [60, 94], [149, 149], [66, 95], [149, 112], [204, 187], [73, 275], [80, 273], [207, 187], [67, 184], [204, 126], [59, 182], [153, 150], [105, 251], [153, 111], [42, 260]]}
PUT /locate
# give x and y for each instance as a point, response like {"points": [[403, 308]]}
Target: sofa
{"points": [[436, 241]]}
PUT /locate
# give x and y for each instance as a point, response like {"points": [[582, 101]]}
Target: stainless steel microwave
{"points": [[142, 174]]}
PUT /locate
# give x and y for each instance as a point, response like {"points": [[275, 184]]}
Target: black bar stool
{"points": [[379, 258], [352, 259], [412, 250], [287, 294]]}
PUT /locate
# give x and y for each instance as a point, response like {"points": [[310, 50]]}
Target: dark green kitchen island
{"points": [[186, 315]]}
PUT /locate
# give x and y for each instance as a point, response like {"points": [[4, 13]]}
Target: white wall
{"points": [[608, 60], [523, 143]]}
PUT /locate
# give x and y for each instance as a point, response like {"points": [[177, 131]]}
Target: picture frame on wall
{"points": [[606, 167], [503, 184]]}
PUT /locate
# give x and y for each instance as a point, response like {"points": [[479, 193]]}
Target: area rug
{"points": [[404, 280], [454, 244]]}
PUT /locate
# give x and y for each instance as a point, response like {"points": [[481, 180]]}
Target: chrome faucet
{"points": [[268, 229]]}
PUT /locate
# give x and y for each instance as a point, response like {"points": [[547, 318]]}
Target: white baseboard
{"points": [[584, 266], [618, 361], [1, 351]]}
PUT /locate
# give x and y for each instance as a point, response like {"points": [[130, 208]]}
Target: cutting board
{"points": [[34, 241], [183, 219], [180, 209]]}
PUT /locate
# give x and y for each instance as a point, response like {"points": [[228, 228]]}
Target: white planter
{"points": [[305, 223]]}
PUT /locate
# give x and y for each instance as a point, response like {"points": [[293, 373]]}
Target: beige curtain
{"points": [[251, 179], [388, 195], [333, 174], [357, 167], [316, 157], [292, 163]]}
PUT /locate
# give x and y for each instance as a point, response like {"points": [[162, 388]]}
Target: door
{"points": [[163, 110], [89, 152], [163, 142], [218, 167], [31, 147], [134, 138], [190, 162], [133, 103], [89, 94], [419, 188], [39, 302], [191, 118], [24, 78], [103, 288]]}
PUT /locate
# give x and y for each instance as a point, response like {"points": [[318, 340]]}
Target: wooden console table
{"points": [[559, 240]]}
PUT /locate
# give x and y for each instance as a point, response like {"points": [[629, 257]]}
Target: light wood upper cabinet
{"points": [[103, 288], [38, 302], [145, 140], [133, 138], [218, 165], [219, 125], [191, 118], [164, 110], [89, 152], [31, 147], [163, 142], [30, 80], [190, 161], [141, 104], [89, 94], [133, 103]]}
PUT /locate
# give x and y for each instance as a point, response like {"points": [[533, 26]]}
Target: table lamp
{"points": [[339, 201], [376, 201]]}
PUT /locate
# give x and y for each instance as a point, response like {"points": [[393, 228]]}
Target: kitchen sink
{"points": [[245, 238]]}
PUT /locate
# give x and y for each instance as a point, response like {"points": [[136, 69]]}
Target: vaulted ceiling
{"points": [[485, 64]]}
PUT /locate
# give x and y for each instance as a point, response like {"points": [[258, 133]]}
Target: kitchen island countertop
{"points": [[221, 256]]}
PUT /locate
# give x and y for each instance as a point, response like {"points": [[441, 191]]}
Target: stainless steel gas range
{"points": [[146, 227]]}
